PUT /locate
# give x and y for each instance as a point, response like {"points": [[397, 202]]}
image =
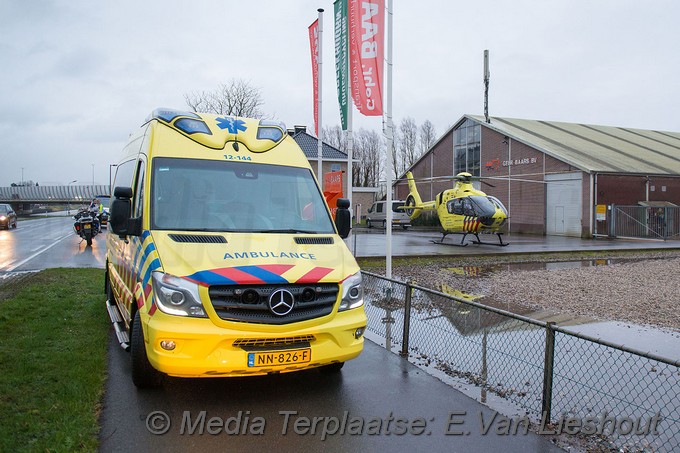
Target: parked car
{"points": [[8, 218], [377, 215]]}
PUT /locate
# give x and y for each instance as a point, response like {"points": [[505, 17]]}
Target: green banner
{"points": [[341, 64]]}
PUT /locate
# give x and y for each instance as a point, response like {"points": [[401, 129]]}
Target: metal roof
{"points": [[310, 144], [591, 148]]}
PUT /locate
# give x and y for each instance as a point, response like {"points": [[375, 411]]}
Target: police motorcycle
{"points": [[86, 224]]}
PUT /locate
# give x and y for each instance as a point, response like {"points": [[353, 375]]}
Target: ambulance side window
{"points": [[139, 191], [124, 174]]}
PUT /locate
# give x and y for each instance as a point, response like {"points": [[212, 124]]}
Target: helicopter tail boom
{"points": [[414, 204]]}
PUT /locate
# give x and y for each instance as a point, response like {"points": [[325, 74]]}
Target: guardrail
{"points": [[630, 399]]}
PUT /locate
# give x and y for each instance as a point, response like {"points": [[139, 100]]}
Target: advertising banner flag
{"points": [[367, 46], [314, 46], [341, 43]]}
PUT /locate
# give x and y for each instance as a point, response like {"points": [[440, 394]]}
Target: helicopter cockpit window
{"points": [[455, 206], [481, 206], [468, 209]]}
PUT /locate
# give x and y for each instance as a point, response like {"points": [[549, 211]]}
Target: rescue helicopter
{"points": [[461, 210]]}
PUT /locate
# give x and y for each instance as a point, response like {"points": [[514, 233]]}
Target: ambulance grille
{"points": [[250, 303], [198, 238], [256, 343], [313, 240]]}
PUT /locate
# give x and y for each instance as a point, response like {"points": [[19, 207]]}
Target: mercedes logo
{"points": [[281, 302]]}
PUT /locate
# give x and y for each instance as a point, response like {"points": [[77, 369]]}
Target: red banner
{"points": [[314, 46], [332, 183], [367, 45]]}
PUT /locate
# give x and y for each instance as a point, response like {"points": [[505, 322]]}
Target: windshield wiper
{"points": [[288, 230]]}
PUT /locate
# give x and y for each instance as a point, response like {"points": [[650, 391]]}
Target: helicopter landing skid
{"points": [[478, 241], [500, 240], [441, 241]]}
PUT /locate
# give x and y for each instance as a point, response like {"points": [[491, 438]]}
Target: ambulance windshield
{"points": [[208, 195]]}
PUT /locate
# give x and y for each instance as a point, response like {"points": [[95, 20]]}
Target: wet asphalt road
{"points": [[203, 414], [47, 243]]}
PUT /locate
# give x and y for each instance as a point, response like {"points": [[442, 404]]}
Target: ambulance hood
{"points": [[254, 258]]}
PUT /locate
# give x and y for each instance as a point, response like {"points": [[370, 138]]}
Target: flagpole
{"points": [[320, 123], [350, 144], [390, 144]]}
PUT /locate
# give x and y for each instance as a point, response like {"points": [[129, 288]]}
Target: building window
{"points": [[336, 167], [466, 148]]}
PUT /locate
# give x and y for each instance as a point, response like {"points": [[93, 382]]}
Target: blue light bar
{"points": [[192, 126], [271, 130]]}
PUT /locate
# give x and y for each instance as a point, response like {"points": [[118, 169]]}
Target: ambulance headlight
{"points": [[352, 293], [176, 296]]}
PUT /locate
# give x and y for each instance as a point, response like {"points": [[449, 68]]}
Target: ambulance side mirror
{"points": [[343, 218], [120, 216]]}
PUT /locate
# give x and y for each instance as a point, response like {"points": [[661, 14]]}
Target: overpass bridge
{"points": [[23, 197]]}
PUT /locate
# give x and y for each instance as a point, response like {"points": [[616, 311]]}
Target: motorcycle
{"points": [[86, 225]]}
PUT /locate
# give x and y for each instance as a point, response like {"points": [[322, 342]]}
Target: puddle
{"points": [[661, 342], [485, 271], [657, 340]]}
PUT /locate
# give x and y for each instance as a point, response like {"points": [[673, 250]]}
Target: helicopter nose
{"points": [[487, 220]]}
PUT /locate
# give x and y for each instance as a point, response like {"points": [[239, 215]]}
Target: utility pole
{"points": [[486, 86]]}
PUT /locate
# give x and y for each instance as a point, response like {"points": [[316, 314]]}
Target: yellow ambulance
{"points": [[222, 256]]}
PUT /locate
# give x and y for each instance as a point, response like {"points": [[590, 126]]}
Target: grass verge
{"points": [[53, 355]]}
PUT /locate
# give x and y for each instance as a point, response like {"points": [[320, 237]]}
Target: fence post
{"points": [[407, 321], [548, 372], [612, 221]]}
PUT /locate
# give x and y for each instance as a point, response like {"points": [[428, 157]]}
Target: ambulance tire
{"points": [[143, 374], [332, 368], [89, 241]]}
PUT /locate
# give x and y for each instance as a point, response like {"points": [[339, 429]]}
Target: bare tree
{"points": [[407, 145], [427, 137], [237, 97], [368, 149], [335, 137]]}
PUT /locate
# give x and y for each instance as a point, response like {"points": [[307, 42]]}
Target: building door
{"points": [[564, 197], [559, 219]]}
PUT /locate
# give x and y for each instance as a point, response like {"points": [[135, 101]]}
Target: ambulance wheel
{"points": [[143, 374], [89, 241], [332, 368]]}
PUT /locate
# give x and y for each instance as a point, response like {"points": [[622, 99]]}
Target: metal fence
{"points": [[631, 397], [640, 222]]}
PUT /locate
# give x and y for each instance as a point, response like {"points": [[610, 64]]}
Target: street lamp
{"points": [[110, 168], [68, 211]]}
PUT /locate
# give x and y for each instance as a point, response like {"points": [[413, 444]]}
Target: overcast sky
{"points": [[79, 76]]}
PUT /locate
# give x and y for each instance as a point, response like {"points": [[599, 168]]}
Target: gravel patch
{"points": [[644, 289]]}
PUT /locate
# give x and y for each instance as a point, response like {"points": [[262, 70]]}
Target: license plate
{"points": [[87, 226], [259, 359]]}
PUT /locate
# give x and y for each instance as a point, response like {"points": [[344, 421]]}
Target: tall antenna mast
{"points": [[486, 86]]}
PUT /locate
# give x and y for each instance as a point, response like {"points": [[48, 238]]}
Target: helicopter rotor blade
{"points": [[474, 178]]}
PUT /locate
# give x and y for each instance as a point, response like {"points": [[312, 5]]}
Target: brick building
{"points": [[551, 175]]}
